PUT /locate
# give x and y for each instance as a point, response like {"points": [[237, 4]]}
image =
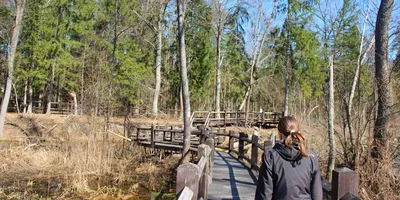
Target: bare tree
{"points": [[382, 78], [259, 32], [220, 17], [158, 62], [161, 6], [19, 8], [331, 121], [159, 30], [287, 60], [184, 80]]}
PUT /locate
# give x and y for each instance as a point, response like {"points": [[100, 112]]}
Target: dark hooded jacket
{"points": [[285, 174]]}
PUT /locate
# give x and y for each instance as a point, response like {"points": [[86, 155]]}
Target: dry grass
{"points": [[75, 160]]}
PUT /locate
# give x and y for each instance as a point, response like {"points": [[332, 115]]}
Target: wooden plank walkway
{"points": [[231, 179]]}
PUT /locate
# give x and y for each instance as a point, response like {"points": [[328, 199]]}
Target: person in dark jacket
{"points": [[288, 170]]}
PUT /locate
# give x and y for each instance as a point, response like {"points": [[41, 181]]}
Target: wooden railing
{"points": [[192, 181], [344, 181], [207, 118]]}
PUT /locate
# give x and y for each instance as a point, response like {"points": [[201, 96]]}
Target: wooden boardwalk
{"points": [[231, 179]]}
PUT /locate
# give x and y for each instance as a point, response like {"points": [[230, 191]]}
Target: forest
{"points": [[314, 59]]}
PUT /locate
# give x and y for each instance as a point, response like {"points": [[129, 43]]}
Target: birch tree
{"points": [[220, 19], [184, 79], [19, 11], [258, 32], [159, 31], [331, 121]]}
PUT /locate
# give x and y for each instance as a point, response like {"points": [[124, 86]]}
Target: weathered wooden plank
{"points": [[254, 151], [187, 176], [185, 194], [344, 180], [245, 139], [241, 146], [231, 179], [231, 141], [260, 146], [204, 151]]}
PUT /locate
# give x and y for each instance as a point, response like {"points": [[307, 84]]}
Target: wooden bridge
{"points": [[229, 118], [227, 163]]}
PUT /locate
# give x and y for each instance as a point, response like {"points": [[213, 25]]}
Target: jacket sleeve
{"points": [[265, 185], [316, 184]]}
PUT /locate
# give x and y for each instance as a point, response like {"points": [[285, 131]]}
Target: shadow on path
{"points": [[233, 180]]}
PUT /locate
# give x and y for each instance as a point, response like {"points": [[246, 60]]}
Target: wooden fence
{"points": [[223, 118], [192, 181], [344, 181]]}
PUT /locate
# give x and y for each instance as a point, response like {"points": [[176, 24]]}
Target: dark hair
{"points": [[289, 127]]}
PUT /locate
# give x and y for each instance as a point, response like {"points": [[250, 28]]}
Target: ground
{"points": [[72, 157], [68, 157]]}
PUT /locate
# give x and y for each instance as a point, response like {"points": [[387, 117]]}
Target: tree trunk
{"points": [[30, 96], [10, 62], [82, 78], [50, 95], [73, 95], [382, 77], [25, 96], [16, 98], [184, 81], [244, 99], [287, 58], [218, 76], [158, 62], [331, 122], [249, 95]]}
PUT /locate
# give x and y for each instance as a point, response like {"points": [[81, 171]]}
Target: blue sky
{"points": [[333, 6]]}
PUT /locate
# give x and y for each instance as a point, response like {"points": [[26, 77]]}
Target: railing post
{"points": [[152, 137], [237, 117], [137, 135], [172, 134], [210, 143], [263, 117], [254, 151], [231, 141], [205, 150], [241, 146], [188, 175], [202, 134], [344, 181], [225, 117]]}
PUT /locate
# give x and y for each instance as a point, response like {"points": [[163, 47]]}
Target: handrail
{"points": [[196, 177], [192, 180], [344, 181], [265, 118]]}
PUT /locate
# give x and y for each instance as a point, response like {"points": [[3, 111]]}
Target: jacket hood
{"points": [[291, 154]]}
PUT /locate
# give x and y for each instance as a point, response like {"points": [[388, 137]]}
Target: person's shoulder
{"points": [[270, 153], [312, 154]]}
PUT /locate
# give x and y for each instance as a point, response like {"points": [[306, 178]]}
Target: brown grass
{"points": [[75, 160]]}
